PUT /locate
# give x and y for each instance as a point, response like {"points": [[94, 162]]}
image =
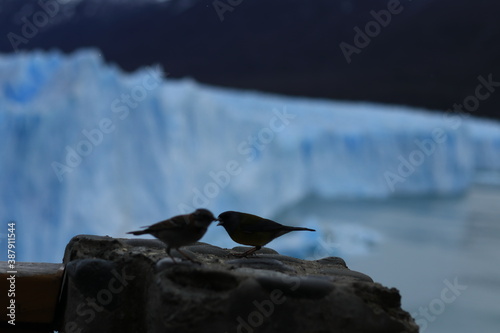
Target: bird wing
{"points": [[170, 224], [249, 226]]}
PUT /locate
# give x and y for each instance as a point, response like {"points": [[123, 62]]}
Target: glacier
{"points": [[88, 148]]}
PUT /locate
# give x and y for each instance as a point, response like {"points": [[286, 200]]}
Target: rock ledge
{"points": [[130, 285]]}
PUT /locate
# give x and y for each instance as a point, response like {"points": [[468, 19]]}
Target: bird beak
{"points": [[220, 222]]}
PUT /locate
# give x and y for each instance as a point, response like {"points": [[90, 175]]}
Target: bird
{"points": [[180, 230], [253, 230]]}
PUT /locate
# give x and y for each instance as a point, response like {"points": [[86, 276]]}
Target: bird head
{"points": [[203, 217], [228, 220]]}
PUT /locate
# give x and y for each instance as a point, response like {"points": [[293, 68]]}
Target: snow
{"points": [[87, 148]]}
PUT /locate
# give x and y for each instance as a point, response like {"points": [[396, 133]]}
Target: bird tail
{"points": [[138, 232], [299, 228]]}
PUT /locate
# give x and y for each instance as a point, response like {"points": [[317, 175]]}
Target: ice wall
{"points": [[87, 148]]}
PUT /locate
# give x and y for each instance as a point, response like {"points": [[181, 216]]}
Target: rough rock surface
{"points": [[130, 285]]}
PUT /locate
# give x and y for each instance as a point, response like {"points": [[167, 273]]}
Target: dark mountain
{"points": [[422, 52]]}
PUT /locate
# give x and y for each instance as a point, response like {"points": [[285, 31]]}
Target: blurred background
{"points": [[374, 122]]}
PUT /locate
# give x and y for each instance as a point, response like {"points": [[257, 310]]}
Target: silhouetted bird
{"points": [[180, 230], [253, 230]]}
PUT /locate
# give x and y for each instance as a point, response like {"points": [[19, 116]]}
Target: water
{"points": [[420, 246]]}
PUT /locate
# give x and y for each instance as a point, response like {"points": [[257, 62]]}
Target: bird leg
{"points": [[168, 252], [248, 252], [187, 257]]}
